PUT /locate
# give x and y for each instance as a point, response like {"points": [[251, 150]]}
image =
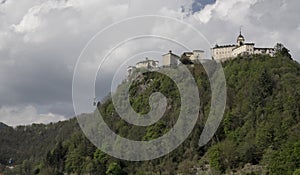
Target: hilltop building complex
{"points": [[226, 52], [168, 60], [219, 53]]}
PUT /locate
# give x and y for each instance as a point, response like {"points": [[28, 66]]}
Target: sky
{"points": [[40, 42]]}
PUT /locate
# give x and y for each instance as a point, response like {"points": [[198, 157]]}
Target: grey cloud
{"points": [[37, 57], [41, 43]]}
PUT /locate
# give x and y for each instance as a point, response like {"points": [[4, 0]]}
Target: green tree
{"points": [[281, 50], [114, 169]]}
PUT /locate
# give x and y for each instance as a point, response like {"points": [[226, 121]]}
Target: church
{"points": [[226, 52]]}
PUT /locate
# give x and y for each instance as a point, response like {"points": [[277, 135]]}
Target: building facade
{"points": [[222, 53], [269, 51], [195, 55], [170, 59], [245, 49], [146, 64], [226, 52]]}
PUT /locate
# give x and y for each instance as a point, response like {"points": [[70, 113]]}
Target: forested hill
{"points": [[259, 134], [32, 142]]}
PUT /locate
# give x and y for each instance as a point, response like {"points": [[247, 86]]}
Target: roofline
{"points": [[171, 54], [252, 44], [264, 48], [198, 51], [187, 53], [223, 46], [146, 61], [249, 43]]}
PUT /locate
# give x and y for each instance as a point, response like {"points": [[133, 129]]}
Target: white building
{"points": [[193, 56], [227, 52], [146, 64], [245, 49], [170, 59], [222, 53], [268, 51]]}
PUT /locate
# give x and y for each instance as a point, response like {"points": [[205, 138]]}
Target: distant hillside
{"points": [[3, 126], [260, 132], [32, 142]]}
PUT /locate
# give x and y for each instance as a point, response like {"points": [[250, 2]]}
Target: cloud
{"points": [[198, 5], [15, 116], [227, 10], [264, 22], [32, 19], [40, 41]]}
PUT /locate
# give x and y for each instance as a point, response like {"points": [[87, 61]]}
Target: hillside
{"points": [[260, 132], [32, 142]]}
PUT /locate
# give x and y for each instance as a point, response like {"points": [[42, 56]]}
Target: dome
{"points": [[240, 39]]}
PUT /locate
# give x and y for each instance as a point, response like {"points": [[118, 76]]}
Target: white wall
{"points": [[245, 49], [223, 53], [197, 55], [170, 60]]}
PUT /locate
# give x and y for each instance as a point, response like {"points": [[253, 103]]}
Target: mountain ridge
{"points": [[259, 129]]}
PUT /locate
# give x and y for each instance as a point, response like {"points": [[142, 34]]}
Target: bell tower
{"points": [[240, 40]]}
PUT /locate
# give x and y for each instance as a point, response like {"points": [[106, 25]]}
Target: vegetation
{"points": [[260, 132]]}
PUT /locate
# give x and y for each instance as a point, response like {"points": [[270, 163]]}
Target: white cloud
{"points": [[264, 22], [34, 16], [46, 21], [205, 15], [232, 10], [14, 116]]}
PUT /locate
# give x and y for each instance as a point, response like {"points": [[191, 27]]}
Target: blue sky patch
{"points": [[200, 4]]}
